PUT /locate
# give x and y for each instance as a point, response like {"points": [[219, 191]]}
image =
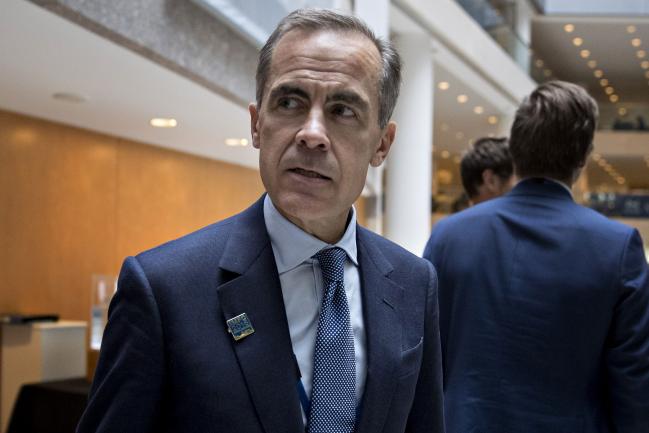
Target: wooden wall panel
{"points": [[73, 203]]}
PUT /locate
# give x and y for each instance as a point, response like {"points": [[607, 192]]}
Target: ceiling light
{"points": [[456, 159], [578, 42], [603, 82], [492, 120], [162, 122], [620, 180], [646, 74], [445, 154], [614, 98], [609, 90], [444, 127], [569, 28], [641, 54], [630, 29], [597, 156], [598, 73], [235, 142], [644, 64], [584, 54], [636, 42], [69, 97], [459, 135], [538, 63], [592, 64], [547, 72], [622, 111], [443, 85], [492, 135], [478, 109], [462, 99]]}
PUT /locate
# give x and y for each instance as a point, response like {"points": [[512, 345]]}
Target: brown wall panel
{"points": [[73, 203]]}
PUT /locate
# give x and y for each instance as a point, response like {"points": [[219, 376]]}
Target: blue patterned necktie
{"points": [[333, 397]]}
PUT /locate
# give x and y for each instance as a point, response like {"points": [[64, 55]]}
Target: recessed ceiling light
{"points": [[547, 72], [478, 109], [69, 97], [641, 54], [584, 54], [234, 142], [163, 122], [459, 135], [603, 82], [456, 159], [621, 180], [598, 73], [446, 154], [444, 127], [492, 120], [609, 90], [538, 63], [462, 99], [597, 156], [443, 85], [614, 98], [569, 28], [636, 42], [578, 42], [622, 111], [630, 29], [644, 64], [592, 64]]}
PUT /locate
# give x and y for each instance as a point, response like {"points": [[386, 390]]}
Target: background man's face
{"points": [[317, 129]]}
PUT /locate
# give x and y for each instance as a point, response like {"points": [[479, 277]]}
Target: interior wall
{"points": [[74, 203]]}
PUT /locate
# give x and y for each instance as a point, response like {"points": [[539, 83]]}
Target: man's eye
{"points": [[288, 103], [343, 111]]}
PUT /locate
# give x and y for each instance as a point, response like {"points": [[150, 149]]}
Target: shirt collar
{"points": [[293, 246]]}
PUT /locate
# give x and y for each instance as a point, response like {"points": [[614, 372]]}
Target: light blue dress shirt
{"points": [[302, 288]]}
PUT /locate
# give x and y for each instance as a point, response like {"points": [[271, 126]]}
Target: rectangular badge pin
{"points": [[240, 326]]}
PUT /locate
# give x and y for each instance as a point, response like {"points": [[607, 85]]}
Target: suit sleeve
{"points": [[427, 412], [628, 344], [127, 387]]}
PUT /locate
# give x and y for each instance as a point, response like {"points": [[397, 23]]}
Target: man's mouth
{"points": [[308, 173]]}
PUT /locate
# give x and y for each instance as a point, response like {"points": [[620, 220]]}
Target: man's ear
{"points": [[387, 138], [254, 124], [490, 181]]}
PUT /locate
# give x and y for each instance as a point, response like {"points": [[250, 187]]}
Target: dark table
{"points": [[49, 407]]}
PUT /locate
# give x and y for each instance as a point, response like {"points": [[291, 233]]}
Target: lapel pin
{"points": [[240, 326]]}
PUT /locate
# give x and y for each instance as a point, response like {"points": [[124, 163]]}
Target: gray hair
{"points": [[322, 19]]}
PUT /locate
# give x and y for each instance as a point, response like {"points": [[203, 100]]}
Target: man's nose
{"points": [[313, 133]]}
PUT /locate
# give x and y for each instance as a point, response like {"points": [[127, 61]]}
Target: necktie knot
{"points": [[332, 263]]}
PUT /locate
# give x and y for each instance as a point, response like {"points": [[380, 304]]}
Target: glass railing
{"points": [[589, 7], [498, 21]]}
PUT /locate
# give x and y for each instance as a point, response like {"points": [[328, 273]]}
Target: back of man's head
{"points": [[552, 133], [487, 169]]}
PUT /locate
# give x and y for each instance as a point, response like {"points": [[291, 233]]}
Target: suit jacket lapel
{"points": [[381, 304], [266, 356]]}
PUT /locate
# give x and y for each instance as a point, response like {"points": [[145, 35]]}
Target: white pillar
{"points": [[376, 14], [409, 170]]}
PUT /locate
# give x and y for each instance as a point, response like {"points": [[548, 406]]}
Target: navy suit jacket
{"points": [[544, 316], [168, 363]]}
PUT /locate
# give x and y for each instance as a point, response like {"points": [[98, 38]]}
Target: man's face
{"points": [[317, 128]]}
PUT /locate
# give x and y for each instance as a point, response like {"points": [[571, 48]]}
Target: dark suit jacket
{"points": [[168, 363], [544, 316]]}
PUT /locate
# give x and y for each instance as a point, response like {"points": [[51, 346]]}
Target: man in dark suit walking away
{"points": [[288, 317], [544, 304]]}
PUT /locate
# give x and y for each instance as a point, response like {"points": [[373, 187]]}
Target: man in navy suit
{"points": [[544, 304], [289, 316]]}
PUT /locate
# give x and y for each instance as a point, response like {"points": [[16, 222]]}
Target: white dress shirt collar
{"points": [[293, 246]]}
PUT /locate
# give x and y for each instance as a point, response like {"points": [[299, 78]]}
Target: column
{"points": [[376, 14], [409, 170]]}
